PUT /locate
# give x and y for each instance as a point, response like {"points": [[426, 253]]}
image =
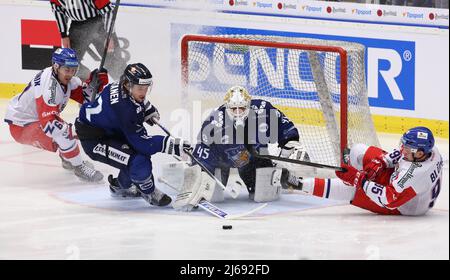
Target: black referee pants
{"points": [[84, 33]]}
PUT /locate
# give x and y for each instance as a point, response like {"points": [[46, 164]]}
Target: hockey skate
{"points": [[68, 166], [87, 173], [118, 192], [290, 181], [157, 198]]}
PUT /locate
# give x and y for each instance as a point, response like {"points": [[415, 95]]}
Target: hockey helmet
{"points": [[65, 57], [138, 74], [418, 139]]}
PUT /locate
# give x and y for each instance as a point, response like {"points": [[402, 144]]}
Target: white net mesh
{"points": [[303, 84]]}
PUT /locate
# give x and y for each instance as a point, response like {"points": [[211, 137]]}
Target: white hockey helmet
{"points": [[237, 103]]}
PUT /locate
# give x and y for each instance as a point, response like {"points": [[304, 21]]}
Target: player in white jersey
{"points": [[34, 115], [404, 182]]}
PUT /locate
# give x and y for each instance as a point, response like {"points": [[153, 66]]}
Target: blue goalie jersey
{"points": [[224, 145], [122, 118]]}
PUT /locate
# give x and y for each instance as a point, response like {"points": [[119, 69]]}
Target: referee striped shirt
{"points": [[80, 10]]}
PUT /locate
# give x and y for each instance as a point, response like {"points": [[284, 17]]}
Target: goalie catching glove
{"points": [[294, 150], [197, 186]]}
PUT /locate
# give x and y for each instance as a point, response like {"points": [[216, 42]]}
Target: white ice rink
{"points": [[46, 213]]}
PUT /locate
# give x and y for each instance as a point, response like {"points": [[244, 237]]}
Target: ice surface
{"points": [[47, 213]]}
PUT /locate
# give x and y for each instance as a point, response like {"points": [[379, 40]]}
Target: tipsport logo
{"points": [[390, 70]]}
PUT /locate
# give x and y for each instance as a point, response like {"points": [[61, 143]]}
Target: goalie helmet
{"points": [[418, 139], [65, 57], [237, 103]]}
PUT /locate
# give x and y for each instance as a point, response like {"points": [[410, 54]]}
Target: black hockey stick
{"points": [[301, 162], [94, 83], [232, 190]]}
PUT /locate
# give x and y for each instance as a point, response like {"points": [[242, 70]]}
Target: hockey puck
{"points": [[227, 227]]}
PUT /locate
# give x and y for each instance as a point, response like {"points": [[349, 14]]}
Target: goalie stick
{"points": [[307, 163], [214, 210], [94, 83], [232, 190]]}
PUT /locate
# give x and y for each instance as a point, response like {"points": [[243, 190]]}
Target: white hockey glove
{"points": [[151, 113], [197, 186], [294, 150], [175, 146]]}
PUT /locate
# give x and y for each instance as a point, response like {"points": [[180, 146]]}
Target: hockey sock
{"points": [[328, 188]]}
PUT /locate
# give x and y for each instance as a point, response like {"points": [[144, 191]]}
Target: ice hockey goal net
{"points": [[319, 84]]}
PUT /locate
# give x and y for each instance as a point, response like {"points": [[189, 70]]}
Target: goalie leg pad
{"points": [[173, 173], [218, 193], [268, 184], [197, 185]]}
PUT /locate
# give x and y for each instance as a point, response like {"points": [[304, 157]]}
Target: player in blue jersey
{"points": [[227, 138], [111, 130]]}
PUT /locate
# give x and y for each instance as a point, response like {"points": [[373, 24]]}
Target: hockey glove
{"points": [[352, 176], [375, 167], [294, 150], [101, 77], [175, 146], [150, 114]]}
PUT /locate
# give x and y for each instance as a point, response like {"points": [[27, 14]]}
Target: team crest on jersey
{"points": [[238, 155]]}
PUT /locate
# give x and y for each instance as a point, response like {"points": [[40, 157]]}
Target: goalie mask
{"points": [[237, 103]]}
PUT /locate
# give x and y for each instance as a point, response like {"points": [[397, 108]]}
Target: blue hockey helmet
{"points": [[65, 57], [138, 74], [419, 139]]}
